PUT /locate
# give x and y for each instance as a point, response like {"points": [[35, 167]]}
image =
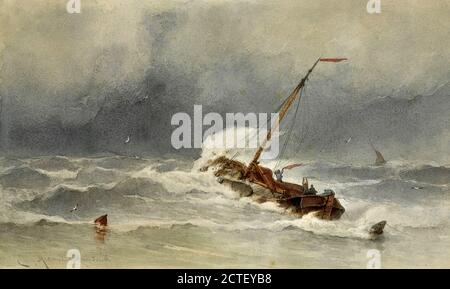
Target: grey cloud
{"points": [[82, 83]]}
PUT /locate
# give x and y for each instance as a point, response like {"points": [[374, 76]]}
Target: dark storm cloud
{"points": [[82, 83]]}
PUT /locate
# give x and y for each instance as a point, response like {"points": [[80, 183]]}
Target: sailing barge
{"points": [[257, 181]]}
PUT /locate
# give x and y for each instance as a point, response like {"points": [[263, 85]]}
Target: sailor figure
{"points": [[312, 190], [279, 175]]}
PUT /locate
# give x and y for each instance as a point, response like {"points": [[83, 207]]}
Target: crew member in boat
{"points": [[307, 189], [279, 175], [312, 190]]}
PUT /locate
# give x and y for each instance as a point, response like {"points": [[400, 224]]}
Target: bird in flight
{"points": [[74, 208]]}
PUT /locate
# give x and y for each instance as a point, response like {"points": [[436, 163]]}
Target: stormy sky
{"points": [[81, 83]]}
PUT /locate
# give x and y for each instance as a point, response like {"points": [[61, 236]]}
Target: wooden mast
{"points": [[281, 115]]}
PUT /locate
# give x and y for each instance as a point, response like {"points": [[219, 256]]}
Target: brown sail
{"points": [[380, 159]]}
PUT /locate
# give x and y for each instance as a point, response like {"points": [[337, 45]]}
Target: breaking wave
{"points": [[428, 174], [24, 177], [166, 193]]}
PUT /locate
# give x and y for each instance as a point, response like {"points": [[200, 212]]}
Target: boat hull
{"points": [[261, 186], [325, 207]]}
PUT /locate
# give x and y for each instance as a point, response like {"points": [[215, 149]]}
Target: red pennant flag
{"points": [[333, 59], [291, 166]]}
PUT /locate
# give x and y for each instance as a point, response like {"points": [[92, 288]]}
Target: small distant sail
{"points": [[102, 220], [380, 159], [101, 229]]}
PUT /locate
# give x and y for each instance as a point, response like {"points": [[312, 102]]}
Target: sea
{"points": [[165, 213]]}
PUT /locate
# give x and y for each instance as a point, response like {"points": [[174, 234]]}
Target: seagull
{"points": [[74, 208], [349, 139], [127, 141], [417, 188]]}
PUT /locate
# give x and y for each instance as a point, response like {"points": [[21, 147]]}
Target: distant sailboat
{"points": [[379, 161]]}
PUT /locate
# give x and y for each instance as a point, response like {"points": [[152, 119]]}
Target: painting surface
{"points": [[88, 95]]}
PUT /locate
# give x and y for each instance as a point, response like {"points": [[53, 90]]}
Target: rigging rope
{"points": [[268, 124], [306, 127], [288, 137], [302, 136], [304, 122]]}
